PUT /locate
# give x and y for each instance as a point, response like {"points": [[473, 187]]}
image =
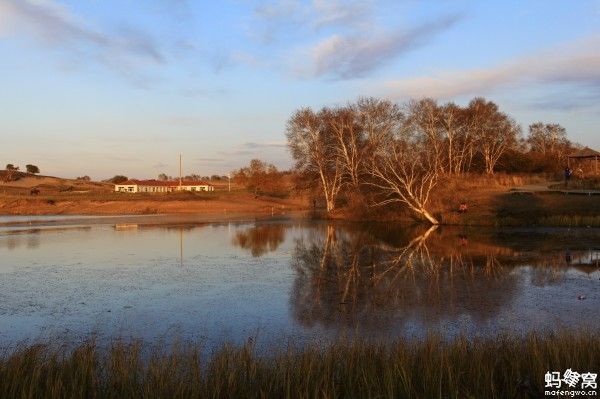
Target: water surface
{"points": [[159, 278]]}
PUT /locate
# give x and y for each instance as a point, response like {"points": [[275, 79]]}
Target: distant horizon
{"points": [[112, 87]]}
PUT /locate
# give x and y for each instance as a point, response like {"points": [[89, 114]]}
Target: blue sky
{"points": [[105, 87]]}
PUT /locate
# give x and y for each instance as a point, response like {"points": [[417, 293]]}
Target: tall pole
{"points": [[229, 180], [179, 172]]}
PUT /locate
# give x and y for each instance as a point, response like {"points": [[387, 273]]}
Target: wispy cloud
{"points": [[160, 165], [269, 144], [55, 26], [237, 152], [335, 13], [252, 149], [575, 63], [348, 56], [276, 20], [568, 100]]}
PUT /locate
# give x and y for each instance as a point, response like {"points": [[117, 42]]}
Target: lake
{"points": [[159, 278]]}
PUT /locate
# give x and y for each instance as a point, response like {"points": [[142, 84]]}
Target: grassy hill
{"points": [[22, 183]]}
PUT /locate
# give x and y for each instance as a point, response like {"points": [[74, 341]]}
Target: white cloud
{"points": [[55, 26], [575, 63], [355, 55]]}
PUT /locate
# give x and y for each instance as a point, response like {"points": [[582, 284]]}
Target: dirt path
{"points": [[538, 187]]}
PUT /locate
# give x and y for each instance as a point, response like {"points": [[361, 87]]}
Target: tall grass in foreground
{"points": [[500, 368]]}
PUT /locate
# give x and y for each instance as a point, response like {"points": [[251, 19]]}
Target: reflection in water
{"points": [[372, 280], [30, 238], [355, 278], [260, 239]]}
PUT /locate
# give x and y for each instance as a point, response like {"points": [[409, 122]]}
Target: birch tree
{"points": [[349, 143], [495, 131], [424, 117], [404, 174], [314, 150], [459, 141]]}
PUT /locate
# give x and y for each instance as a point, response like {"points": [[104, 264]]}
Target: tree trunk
{"points": [[429, 217]]}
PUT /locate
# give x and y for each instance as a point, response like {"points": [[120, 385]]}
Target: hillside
{"points": [[22, 183]]}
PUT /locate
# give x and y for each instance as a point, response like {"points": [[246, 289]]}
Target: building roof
{"points": [[163, 183], [586, 152]]}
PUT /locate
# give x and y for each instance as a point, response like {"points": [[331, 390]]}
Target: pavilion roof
{"points": [[586, 152]]}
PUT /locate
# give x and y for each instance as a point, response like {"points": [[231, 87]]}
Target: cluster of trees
{"points": [[260, 177], [399, 153], [117, 179], [193, 177], [33, 169], [544, 150], [11, 170]]}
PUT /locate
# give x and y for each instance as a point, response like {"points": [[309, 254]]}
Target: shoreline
{"points": [[495, 207]]}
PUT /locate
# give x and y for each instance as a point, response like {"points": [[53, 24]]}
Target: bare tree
{"points": [[348, 142], [403, 174], [495, 131], [547, 138], [379, 120], [358, 130], [459, 140], [424, 117], [312, 145]]}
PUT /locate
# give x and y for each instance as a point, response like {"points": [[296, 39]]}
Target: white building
{"points": [[159, 186]]}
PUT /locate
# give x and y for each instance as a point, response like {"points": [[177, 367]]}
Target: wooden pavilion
{"points": [[585, 154]]}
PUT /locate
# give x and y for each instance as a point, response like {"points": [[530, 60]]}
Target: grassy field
{"points": [[67, 196], [500, 368], [547, 209]]}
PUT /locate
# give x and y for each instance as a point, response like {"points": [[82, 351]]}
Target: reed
{"points": [[430, 368]]}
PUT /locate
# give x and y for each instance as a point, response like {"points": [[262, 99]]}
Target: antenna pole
{"points": [[180, 172]]}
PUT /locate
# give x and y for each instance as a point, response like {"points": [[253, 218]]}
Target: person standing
{"points": [[568, 173]]}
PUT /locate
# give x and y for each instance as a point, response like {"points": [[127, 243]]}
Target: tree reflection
{"points": [[260, 239], [349, 277]]}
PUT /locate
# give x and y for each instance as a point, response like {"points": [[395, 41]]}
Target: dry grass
{"points": [[547, 209], [475, 180], [501, 368]]}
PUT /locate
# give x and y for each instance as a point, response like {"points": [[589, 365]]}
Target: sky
{"points": [[106, 87]]}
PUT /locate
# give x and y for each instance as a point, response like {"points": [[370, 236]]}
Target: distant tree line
{"points": [[164, 177], [192, 177], [399, 153]]}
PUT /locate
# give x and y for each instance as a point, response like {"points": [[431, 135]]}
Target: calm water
{"points": [[160, 278]]}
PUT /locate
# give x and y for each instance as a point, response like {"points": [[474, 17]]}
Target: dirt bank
{"points": [[121, 203]]}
